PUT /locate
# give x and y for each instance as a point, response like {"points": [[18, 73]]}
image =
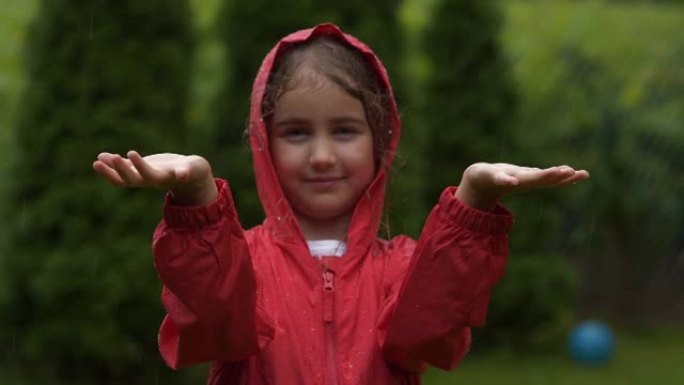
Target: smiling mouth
{"points": [[324, 182]]}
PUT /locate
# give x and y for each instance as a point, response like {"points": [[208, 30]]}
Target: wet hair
{"points": [[346, 67]]}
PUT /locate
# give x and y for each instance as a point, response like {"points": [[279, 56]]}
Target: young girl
{"points": [[312, 296]]}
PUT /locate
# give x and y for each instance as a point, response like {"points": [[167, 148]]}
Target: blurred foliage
{"points": [[612, 103], [463, 103], [12, 76], [82, 297], [12, 28], [468, 101], [532, 307]]}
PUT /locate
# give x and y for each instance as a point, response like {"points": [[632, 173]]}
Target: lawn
{"points": [[652, 358], [642, 358]]}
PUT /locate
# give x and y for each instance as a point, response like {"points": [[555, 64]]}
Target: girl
{"points": [[312, 296]]}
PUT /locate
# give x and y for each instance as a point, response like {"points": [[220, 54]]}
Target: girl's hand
{"points": [[483, 184], [189, 178]]}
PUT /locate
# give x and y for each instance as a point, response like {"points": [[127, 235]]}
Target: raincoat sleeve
{"points": [[209, 287], [459, 256]]}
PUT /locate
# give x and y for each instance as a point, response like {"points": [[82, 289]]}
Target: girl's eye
{"points": [[346, 132], [295, 134]]}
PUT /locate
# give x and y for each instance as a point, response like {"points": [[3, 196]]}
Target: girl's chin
{"points": [[324, 214]]}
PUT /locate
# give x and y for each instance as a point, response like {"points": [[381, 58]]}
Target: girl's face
{"points": [[322, 149]]}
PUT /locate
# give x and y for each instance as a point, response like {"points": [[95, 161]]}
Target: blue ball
{"points": [[591, 343]]}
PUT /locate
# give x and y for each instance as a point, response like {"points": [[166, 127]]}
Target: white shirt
{"points": [[327, 247]]}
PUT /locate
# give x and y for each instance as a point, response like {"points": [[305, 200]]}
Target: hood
{"points": [[280, 218]]}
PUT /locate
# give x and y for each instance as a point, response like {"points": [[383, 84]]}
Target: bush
{"points": [[469, 97], [81, 295], [532, 307]]}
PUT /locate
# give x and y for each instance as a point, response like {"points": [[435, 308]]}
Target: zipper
{"points": [[331, 373]]}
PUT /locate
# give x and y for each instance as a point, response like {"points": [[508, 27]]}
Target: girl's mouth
{"points": [[324, 182]]}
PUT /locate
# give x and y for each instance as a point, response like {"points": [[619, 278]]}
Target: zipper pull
{"points": [[328, 296], [328, 281]]}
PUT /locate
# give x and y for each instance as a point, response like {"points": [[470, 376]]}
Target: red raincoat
{"points": [[258, 306]]}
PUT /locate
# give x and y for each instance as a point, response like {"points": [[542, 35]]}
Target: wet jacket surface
{"points": [[262, 310]]}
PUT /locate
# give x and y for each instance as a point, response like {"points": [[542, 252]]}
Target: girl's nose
{"points": [[322, 154]]}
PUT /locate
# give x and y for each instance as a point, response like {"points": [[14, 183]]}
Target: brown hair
{"points": [[344, 66]]}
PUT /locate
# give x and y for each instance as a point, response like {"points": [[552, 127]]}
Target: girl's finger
{"points": [[532, 169], [558, 173], [106, 157], [108, 173], [576, 177], [539, 177], [547, 177], [127, 172], [145, 170], [504, 179], [563, 177]]}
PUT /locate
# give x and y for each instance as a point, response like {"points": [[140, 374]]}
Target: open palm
{"points": [[167, 171], [485, 183]]}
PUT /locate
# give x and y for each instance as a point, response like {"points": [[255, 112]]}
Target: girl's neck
{"points": [[317, 229]]}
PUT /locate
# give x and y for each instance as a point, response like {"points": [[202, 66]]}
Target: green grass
{"points": [[651, 358], [643, 358]]}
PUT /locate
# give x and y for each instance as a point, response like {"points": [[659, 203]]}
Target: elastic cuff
{"points": [[196, 217], [498, 221]]}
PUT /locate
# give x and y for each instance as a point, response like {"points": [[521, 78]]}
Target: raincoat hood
{"points": [[280, 218]]}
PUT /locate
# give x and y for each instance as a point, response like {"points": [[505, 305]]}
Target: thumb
{"points": [[182, 174], [504, 179]]}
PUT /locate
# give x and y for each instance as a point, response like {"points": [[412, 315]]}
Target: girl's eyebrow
{"points": [[292, 121], [335, 120], [348, 119]]}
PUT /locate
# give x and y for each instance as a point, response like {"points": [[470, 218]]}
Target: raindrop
{"points": [[90, 31], [591, 234]]}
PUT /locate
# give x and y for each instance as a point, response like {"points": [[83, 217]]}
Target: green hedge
{"points": [[533, 306], [82, 298]]}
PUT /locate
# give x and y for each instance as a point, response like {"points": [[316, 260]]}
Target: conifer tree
{"points": [[82, 297], [468, 99]]}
